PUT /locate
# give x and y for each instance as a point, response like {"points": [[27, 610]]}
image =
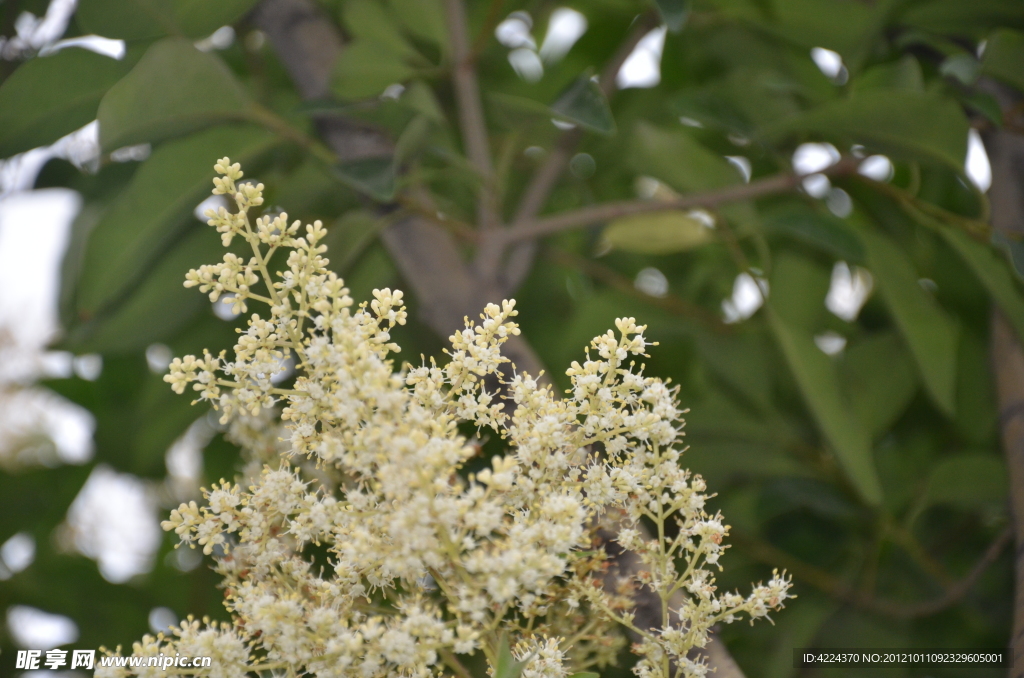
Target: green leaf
{"points": [[657, 233], [963, 67], [583, 103], [173, 90], [159, 306], [902, 74], [585, 674], [674, 13], [48, 97], [879, 380], [369, 20], [816, 378], [798, 289], [901, 123], [993, 273], [507, 666], [424, 19], [366, 67], [968, 481], [930, 334], [679, 160], [823, 231], [1014, 249], [147, 19], [155, 210], [1004, 57], [372, 176]]}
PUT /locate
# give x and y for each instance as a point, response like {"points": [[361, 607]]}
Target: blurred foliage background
{"points": [[792, 194]]}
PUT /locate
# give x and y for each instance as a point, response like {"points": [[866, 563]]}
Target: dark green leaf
{"points": [[1004, 57], [675, 157], [372, 176], [583, 103], [903, 123], [369, 20], [160, 305], [823, 231], [674, 13], [48, 97], [155, 210], [968, 481], [816, 377], [928, 331], [366, 68], [175, 89], [424, 19], [798, 289], [879, 380], [993, 273], [902, 74], [1014, 249], [147, 19]]}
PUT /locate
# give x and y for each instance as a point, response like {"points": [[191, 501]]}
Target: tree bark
{"points": [[1005, 150]]}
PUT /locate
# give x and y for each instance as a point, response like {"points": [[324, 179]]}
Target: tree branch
{"points": [[780, 183], [836, 588], [613, 278], [1005, 150], [546, 178], [471, 112]]}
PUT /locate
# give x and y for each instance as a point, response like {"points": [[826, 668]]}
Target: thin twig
{"points": [[612, 278], [840, 590], [586, 216], [471, 112]]}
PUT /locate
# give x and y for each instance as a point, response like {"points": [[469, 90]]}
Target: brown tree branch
{"points": [[1005, 150], [587, 216], [546, 178], [846, 593], [471, 112], [616, 280]]}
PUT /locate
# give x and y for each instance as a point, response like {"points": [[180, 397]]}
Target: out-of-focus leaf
{"points": [[369, 20], [679, 160], [413, 139], [674, 13], [902, 123], [583, 103], [798, 289], [823, 231], [743, 361], [1004, 57], [657, 233], [841, 27], [48, 97], [879, 380], [147, 19], [419, 97], [507, 666], [173, 90], [993, 273], [962, 67], [200, 18], [422, 18], [1014, 251], [160, 305], [816, 378], [902, 74], [366, 67], [372, 176], [155, 209], [349, 236], [968, 481], [929, 332]]}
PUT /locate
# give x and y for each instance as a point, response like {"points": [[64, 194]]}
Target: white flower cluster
{"points": [[385, 557]]}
